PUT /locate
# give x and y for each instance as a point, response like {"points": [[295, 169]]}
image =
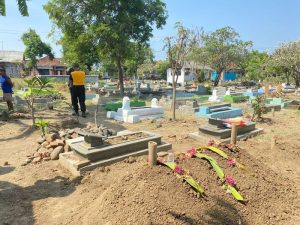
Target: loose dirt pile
{"points": [[137, 194]]}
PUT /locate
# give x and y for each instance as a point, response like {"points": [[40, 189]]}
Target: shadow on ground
{"points": [[26, 132], [16, 202], [6, 169], [222, 213]]}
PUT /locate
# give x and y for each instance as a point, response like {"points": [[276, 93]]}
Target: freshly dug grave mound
{"points": [[157, 196]]}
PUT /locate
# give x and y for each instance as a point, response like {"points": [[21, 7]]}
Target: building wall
{"points": [[182, 78], [64, 78], [12, 69], [227, 76]]}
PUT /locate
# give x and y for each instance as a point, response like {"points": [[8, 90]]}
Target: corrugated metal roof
{"points": [[11, 56]]}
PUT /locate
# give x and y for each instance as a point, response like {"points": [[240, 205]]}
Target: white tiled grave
{"points": [[133, 115]]}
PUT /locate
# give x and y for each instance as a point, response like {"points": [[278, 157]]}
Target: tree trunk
{"points": [[174, 96], [121, 81], [32, 111], [297, 82], [219, 74]]}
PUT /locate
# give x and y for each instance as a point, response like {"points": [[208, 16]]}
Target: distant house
{"points": [[46, 66], [12, 61], [188, 73]]}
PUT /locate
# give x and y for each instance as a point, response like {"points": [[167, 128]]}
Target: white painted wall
{"points": [[182, 78]]}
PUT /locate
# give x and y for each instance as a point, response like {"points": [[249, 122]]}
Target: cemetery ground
{"points": [[129, 192]]}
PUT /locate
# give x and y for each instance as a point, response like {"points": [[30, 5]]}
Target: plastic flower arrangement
{"points": [[230, 181], [190, 152], [231, 162], [178, 170]]}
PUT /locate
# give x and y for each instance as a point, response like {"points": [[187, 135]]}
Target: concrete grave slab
{"points": [[115, 148], [136, 114], [215, 130]]}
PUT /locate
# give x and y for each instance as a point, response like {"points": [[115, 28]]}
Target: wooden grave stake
{"points": [[152, 153], [267, 89], [273, 111], [233, 137]]}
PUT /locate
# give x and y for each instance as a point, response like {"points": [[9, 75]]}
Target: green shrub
{"points": [[114, 106]]}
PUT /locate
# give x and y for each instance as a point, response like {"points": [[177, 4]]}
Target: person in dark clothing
{"points": [[70, 85], [7, 86], [78, 90]]}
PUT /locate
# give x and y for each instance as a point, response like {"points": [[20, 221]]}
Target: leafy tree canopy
{"points": [[140, 54], [223, 48], [35, 47], [287, 56], [110, 25], [22, 4], [255, 65]]}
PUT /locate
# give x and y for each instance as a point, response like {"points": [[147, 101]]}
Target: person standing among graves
{"points": [[7, 86], [78, 90], [70, 85]]}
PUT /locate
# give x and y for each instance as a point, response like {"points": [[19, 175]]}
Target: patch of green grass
{"points": [[114, 106], [234, 99], [201, 97]]}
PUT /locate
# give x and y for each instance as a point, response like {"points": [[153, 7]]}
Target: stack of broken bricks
{"points": [[53, 144]]}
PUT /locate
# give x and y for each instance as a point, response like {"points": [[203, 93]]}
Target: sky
{"points": [[265, 22]]}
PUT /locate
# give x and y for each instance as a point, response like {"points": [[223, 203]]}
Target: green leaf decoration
{"points": [[194, 184], [235, 193], [187, 178], [218, 151], [223, 154], [213, 163], [220, 174]]}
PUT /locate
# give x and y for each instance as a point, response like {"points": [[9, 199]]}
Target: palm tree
{"points": [[22, 7]]}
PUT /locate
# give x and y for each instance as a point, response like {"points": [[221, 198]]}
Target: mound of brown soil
{"points": [[143, 195]]}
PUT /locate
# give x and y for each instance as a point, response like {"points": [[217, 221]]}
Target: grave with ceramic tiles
{"points": [[221, 111], [135, 114], [217, 94], [221, 130]]}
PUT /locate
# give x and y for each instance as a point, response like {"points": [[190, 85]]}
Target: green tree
{"points": [[161, 68], [178, 49], [287, 57], [255, 65], [140, 54], [79, 50], [224, 49], [35, 48], [110, 25], [37, 87], [22, 4], [146, 68]]}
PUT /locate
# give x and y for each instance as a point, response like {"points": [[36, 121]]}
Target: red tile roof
{"points": [[45, 61]]}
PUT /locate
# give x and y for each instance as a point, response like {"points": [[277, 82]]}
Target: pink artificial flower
{"points": [[178, 170], [231, 162], [211, 143], [191, 152], [230, 180]]}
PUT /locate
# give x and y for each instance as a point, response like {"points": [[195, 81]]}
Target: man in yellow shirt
{"points": [[78, 90]]}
